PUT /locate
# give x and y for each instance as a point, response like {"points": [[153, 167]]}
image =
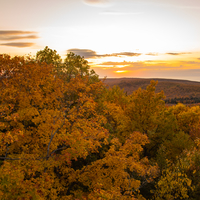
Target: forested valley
{"points": [[65, 135], [176, 90]]}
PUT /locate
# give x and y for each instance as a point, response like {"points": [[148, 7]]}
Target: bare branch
{"points": [[6, 150], [52, 136], [61, 148]]}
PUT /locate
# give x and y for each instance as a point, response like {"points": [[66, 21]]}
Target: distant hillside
{"points": [[175, 90]]}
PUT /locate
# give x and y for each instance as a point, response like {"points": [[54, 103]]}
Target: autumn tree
{"points": [[64, 135], [111, 105], [173, 184], [35, 115], [187, 117], [145, 108], [54, 137], [191, 160]]}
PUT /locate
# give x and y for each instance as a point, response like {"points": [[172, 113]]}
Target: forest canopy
{"points": [[65, 135]]}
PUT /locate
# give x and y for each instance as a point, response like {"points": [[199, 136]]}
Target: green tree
{"points": [[49, 56], [75, 65]]}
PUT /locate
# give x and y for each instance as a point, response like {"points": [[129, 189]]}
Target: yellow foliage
{"points": [[54, 144], [173, 184], [145, 108]]}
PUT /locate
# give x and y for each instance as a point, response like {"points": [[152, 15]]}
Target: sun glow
{"points": [[121, 71]]}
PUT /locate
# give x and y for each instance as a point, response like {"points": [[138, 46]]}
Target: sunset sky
{"points": [[119, 38]]}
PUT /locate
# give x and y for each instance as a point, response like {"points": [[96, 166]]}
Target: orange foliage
{"points": [[54, 144]]}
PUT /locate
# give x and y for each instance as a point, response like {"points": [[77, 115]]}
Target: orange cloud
{"points": [[177, 54], [191, 62], [16, 32], [117, 63], [151, 71], [152, 54], [101, 3], [18, 35], [152, 65], [18, 44]]}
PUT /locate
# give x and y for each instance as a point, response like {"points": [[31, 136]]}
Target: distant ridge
{"points": [[173, 88]]}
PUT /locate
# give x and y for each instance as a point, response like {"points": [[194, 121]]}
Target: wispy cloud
{"points": [[129, 66], [18, 44], [98, 3], [152, 54], [117, 63], [155, 65], [191, 62], [18, 35], [125, 54], [16, 32], [177, 54], [11, 35], [88, 53]]}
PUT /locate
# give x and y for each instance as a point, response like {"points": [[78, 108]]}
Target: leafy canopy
{"points": [[55, 138]]}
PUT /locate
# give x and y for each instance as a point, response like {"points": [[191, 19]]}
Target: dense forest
{"points": [[176, 91], [65, 135]]}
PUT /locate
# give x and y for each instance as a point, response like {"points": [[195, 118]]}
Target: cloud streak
{"points": [[18, 37], [88, 53], [155, 65], [16, 32], [117, 63], [125, 54], [177, 54], [12, 35], [97, 3], [157, 68], [190, 62], [152, 54], [18, 44]]}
